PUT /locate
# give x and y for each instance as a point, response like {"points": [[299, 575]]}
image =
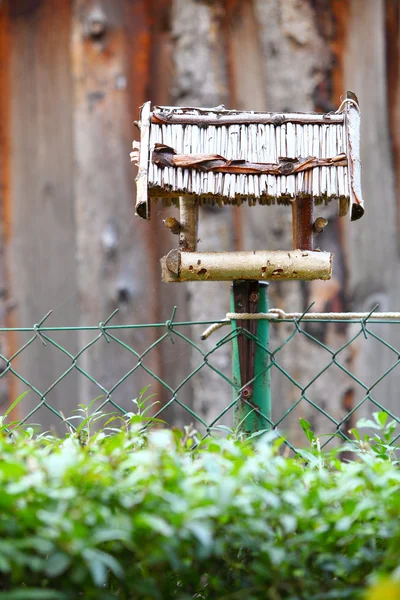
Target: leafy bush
{"points": [[135, 514]]}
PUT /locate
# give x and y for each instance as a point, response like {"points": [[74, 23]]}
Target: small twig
{"points": [[173, 225], [319, 224]]}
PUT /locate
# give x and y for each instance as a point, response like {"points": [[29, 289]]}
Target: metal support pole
{"points": [[249, 359]]}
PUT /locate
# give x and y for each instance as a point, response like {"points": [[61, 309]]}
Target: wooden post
{"points": [[189, 218], [303, 220]]}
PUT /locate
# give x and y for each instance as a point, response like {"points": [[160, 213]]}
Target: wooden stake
{"points": [[303, 220], [189, 218]]}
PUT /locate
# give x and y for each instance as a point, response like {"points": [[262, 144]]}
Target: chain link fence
{"points": [[329, 370]]}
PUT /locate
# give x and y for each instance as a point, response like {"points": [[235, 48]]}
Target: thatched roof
{"points": [[231, 157]]}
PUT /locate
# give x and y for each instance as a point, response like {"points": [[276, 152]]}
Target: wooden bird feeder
{"points": [[189, 157]]}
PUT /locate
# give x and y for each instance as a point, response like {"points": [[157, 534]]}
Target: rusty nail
{"points": [[254, 297], [247, 393]]}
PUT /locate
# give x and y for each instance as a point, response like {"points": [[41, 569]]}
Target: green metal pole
{"points": [[262, 385], [257, 396], [240, 409]]}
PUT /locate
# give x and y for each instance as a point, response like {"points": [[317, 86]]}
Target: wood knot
{"points": [[96, 24], [286, 168]]}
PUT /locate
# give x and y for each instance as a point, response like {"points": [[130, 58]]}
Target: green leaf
{"points": [[82, 425], [356, 434], [381, 417], [306, 427], [96, 567], [57, 564], [15, 403], [109, 535], [362, 423], [33, 594], [5, 566], [157, 523], [344, 523], [202, 532], [98, 562], [289, 523]]}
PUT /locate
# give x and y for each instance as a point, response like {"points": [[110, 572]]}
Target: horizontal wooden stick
{"points": [[259, 265], [231, 118], [165, 156]]}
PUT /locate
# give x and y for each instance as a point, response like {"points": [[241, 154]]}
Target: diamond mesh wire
{"points": [[330, 372]]}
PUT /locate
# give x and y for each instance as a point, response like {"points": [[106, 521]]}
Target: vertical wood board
{"points": [[42, 227]]}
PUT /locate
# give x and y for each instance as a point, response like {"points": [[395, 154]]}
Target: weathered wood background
{"points": [[72, 76]]}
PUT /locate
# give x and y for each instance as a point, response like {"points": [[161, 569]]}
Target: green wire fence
{"points": [[328, 370]]}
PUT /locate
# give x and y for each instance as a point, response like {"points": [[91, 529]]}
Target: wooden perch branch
{"points": [[165, 156], [257, 265]]}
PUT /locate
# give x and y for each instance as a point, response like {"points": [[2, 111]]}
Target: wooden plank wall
{"points": [[373, 256], [42, 223], [112, 261], [7, 343], [77, 76], [71, 82]]}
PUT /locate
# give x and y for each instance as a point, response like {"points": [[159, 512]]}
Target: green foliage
{"points": [[131, 513]]}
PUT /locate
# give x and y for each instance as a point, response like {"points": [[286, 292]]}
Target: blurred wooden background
{"points": [[72, 76]]}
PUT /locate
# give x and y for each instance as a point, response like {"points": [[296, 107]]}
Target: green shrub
{"points": [[138, 515]]}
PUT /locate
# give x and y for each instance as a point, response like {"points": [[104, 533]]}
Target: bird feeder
{"points": [[189, 157]]}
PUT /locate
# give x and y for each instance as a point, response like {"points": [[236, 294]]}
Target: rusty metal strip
{"points": [[165, 156]]}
